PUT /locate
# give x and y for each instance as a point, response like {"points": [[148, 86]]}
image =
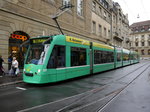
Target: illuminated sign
{"points": [[36, 41], [21, 37]]}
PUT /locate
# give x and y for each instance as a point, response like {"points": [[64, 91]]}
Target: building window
{"points": [[142, 36], [101, 1], [148, 43], [105, 33], [114, 18], [142, 43], [105, 15], [93, 27], [142, 52], [100, 10], [94, 6], [108, 33], [148, 38], [48, 1], [142, 30], [100, 30], [66, 2], [136, 43], [80, 7], [149, 52]]}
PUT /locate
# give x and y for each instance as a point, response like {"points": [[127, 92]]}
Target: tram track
{"points": [[75, 107], [87, 99], [116, 93], [132, 71], [110, 101]]}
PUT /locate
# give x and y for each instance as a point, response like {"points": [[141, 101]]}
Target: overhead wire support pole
{"points": [[55, 19], [62, 10]]}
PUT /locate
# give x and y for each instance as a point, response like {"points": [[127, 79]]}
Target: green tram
{"points": [[56, 58]]}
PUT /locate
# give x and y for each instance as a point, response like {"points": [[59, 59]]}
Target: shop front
{"points": [[15, 40]]}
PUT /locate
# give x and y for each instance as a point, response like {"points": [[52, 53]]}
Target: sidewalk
{"points": [[7, 79]]}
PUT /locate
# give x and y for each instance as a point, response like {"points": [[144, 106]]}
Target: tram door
{"points": [[56, 63], [91, 58]]}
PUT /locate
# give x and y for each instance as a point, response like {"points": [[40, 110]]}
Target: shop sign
{"points": [[20, 37]]}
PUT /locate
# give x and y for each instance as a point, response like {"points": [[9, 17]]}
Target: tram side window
{"points": [[97, 56], [57, 58], [109, 57], [103, 57], [118, 56], [78, 56], [125, 57], [131, 57]]}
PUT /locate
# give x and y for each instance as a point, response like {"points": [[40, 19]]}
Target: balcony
{"points": [[118, 38]]}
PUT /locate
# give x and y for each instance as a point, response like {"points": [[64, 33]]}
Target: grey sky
{"points": [[135, 9]]}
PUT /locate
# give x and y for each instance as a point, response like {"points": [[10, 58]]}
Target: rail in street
{"points": [[92, 93]]}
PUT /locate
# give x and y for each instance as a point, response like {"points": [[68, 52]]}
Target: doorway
{"points": [[15, 40]]}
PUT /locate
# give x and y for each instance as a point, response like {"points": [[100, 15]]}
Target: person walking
{"points": [[15, 66], [1, 65]]}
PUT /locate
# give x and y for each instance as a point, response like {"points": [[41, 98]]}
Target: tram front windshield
{"points": [[37, 54]]}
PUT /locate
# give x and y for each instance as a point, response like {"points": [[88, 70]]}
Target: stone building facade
{"points": [[140, 38], [109, 24], [24, 19], [91, 20], [120, 27], [101, 21]]}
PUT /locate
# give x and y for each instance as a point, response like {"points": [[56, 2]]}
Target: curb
{"points": [[11, 83]]}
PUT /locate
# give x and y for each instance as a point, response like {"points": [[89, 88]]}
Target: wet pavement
{"points": [[6, 79], [134, 98], [104, 92]]}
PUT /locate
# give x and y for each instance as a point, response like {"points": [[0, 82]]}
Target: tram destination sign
{"points": [[38, 41]]}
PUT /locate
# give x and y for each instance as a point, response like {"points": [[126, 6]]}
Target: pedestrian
{"points": [[1, 65], [9, 61], [14, 66]]}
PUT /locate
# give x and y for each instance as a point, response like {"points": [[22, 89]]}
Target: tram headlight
{"points": [[39, 70], [24, 71]]}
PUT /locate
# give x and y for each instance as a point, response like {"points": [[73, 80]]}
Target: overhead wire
{"points": [[128, 7], [143, 8]]}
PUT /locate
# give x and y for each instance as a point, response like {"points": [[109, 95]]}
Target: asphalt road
{"points": [[100, 92]]}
